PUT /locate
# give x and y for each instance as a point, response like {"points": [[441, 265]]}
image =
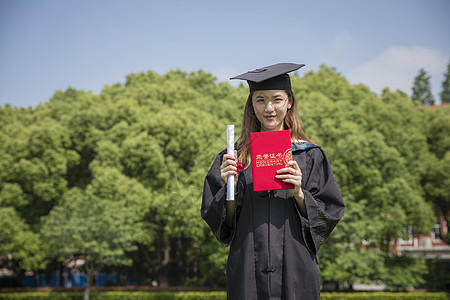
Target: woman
{"points": [[274, 235]]}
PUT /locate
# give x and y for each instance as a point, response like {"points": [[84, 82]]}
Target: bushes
{"points": [[160, 296], [139, 295], [384, 296], [42, 296], [148, 295]]}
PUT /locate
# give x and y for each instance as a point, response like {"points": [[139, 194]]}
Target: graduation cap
{"points": [[272, 77]]}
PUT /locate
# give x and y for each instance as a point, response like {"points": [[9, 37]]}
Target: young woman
{"points": [[274, 235]]}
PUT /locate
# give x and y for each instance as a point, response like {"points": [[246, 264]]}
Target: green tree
{"points": [[88, 227], [35, 157], [20, 248], [421, 89], [436, 183], [437, 179], [445, 93], [405, 271]]}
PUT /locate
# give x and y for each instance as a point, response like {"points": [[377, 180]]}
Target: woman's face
{"points": [[270, 108]]}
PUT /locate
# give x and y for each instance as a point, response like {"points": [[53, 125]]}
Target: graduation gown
{"points": [[272, 246]]}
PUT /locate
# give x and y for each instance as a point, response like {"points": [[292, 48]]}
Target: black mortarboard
{"points": [[272, 77]]}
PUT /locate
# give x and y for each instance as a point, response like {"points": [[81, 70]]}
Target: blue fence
{"points": [[71, 280]]}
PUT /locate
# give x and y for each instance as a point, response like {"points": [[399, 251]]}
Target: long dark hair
{"points": [[250, 123]]}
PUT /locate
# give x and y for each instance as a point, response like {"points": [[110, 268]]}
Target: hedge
{"points": [[384, 296], [147, 295]]}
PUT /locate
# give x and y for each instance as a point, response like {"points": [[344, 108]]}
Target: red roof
{"points": [[434, 106]]}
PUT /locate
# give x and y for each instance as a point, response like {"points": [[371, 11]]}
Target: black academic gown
{"points": [[273, 247]]}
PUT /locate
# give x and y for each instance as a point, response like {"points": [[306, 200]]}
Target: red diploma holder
{"points": [[270, 151]]}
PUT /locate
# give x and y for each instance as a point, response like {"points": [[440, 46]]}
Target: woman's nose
{"points": [[269, 106]]}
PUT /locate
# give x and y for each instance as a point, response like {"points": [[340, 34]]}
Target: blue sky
{"points": [[49, 45]]}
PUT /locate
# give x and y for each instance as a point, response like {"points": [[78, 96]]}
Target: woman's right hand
{"points": [[229, 167]]}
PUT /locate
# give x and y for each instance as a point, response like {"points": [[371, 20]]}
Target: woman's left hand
{"points": [[291, 173]]}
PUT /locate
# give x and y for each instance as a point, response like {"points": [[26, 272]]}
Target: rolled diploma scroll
{"points": [[230, 149]]}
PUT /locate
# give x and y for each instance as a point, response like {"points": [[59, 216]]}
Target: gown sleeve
{"points": [[213, 209], [323, 200]]}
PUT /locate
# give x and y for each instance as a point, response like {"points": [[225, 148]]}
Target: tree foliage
{"points": [[116, 178], [436, 181], [422, 89], [445, 93], [20, 248]]}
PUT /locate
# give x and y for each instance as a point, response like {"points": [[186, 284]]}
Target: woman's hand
{"points": [[291, 173], [229, 167]]}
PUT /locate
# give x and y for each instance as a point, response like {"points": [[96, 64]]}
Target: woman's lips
{"points": [[269, 117]]}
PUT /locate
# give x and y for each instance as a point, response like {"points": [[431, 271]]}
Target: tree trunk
{"points": [[89, 281], [163, 277], [87, 292]]}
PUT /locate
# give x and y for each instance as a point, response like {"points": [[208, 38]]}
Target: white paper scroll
{"points": [[230, 149]]}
